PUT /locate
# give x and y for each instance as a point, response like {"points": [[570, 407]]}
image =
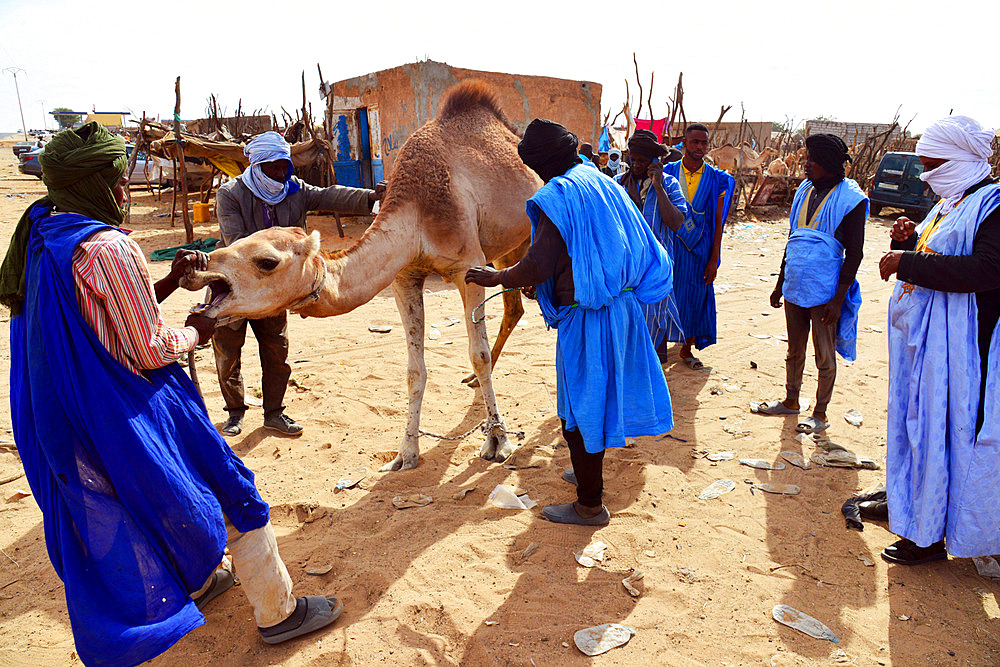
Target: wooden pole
{"points": [[188, 229]]}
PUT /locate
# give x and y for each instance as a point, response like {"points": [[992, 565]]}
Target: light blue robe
{"points": [[609, 382], [943, 480], [663, 318], [692, 246], [814, 257]]}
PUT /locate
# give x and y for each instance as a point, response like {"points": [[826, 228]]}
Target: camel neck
{"points": [[356, 276]]}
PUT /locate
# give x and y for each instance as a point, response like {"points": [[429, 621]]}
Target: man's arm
{"points": [[118, 274], [978, 272], [339, 198], [537, 265], [230, 214], [670, 201], [712, 266]]}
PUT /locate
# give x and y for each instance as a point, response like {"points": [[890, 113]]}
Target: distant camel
{"points": [[728, 157]]}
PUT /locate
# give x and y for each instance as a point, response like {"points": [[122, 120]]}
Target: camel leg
{"points": [[409, 293], [497, 447], [512, 311]]}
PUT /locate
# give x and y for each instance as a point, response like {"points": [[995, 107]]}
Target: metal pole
{"points": [[14, 71]]}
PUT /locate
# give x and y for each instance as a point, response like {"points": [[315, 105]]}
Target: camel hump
{"points": [[468, 96]]}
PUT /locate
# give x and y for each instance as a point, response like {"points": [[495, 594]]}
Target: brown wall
{"points": [[409, 96]]}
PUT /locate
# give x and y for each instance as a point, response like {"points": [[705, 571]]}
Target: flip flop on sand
{"points": [[775, 408], [222, 581], [693, 363], [811, 425], [311, 613]]}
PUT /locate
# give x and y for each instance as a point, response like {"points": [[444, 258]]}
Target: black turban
{"points": [[644, 143], [828, 151], [548, 148]]}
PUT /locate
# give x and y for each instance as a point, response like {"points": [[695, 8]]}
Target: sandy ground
{"points": [[447, 584]]}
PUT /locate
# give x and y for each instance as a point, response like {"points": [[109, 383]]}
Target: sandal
{"points": [[566, 513], [693, 363], [811, 425], [222, 581], [311, 613]]}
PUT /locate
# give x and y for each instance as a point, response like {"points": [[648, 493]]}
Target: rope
{"points": [[485, 425], [473, 315]]}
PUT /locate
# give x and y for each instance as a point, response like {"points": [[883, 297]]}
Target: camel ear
{"points": [[308, 245]]}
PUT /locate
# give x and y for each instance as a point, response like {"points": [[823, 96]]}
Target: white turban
{"points": [[268, 147], [967, 147]]}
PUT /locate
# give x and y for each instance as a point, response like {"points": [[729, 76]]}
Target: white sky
{"points": [[854, 60]]}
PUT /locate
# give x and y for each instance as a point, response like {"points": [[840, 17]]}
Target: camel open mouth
{"points": [[218, 291]]}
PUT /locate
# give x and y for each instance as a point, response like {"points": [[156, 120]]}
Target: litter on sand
{"points": [[380, 328], [866, 560], [796, 460], [602, 638], [717, 488], [352, 478], [320, 571], [630, 581], [854, 417], [433, 334], [780, 489], [762, 464], [725, 455], [462, 493], [592, 554], [987, 566], [508, 498], [412, 500], [803, 622], [528, 550], [841, 458], [759, 336]]}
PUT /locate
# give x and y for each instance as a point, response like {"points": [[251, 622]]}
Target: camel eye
{"points": [[266, 263]]}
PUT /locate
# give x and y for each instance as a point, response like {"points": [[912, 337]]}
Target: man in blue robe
{"points": [[658, 197], [698, 243], [594, 262], [943, 430], [818, 276], [139, 494]]}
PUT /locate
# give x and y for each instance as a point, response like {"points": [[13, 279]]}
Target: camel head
{"points": [[261, 275]]}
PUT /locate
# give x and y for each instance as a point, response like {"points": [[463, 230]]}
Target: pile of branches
{"points": [[867, 155]]}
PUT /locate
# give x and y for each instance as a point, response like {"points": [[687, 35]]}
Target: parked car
{"points": [[143, 165], [197, 173], [28, 162], [897, 183], [24, 147]]}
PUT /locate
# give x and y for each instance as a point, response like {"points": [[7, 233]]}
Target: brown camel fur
{"points": [[728, 157], [455, 200]]}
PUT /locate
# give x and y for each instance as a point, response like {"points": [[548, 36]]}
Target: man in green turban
{"points": [[139, 494]]}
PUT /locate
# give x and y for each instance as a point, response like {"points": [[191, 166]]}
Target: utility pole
{"points": [[14, 71]]}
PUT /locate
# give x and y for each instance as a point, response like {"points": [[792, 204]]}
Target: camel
{"points": [[455, 200], [777, 168], [728, 157]]}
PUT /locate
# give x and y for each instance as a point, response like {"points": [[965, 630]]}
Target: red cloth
{"points": [[657, 127]]}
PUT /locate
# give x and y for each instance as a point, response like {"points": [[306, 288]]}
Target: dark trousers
{"points": [[798, 321], [589, 469], [272, 341]]}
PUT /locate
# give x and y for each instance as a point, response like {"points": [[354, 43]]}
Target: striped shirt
{"points": [[118, 302]]}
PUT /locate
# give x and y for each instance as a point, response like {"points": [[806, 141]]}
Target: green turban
{"points": [[79, 167]]}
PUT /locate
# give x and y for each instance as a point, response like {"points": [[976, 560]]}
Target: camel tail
{"points": [[470, 95]]}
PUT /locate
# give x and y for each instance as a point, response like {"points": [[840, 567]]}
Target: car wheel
{"points": [[875, 210]]}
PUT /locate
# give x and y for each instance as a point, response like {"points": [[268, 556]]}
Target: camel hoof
{"points": [[505, 451], [403, 461], [489, 448], [471, 380]]}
